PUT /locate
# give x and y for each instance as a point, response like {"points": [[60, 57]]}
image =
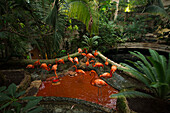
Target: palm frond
{"points": [[136, 73], [131, 94], [81, 10], [156, 10], [142, 57], [159, 69]]}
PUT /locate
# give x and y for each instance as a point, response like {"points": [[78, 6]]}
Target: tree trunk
{"points": [[117, 9]]}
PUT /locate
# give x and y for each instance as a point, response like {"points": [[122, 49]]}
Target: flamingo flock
{"points": [[95, 81]]}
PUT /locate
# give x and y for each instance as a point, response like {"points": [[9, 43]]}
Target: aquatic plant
{"points": [[11, 101], [153, 71]]}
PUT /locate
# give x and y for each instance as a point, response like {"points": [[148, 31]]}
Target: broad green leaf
{"points": [[154, 55], [4, 97], [158, 84], [31, 104], [30, 98], [5, 105], [36, 110], [19, 94], [142, 57], [159, 70], [2, 88], [147, 72], [131, 94], [12, 89], [15, 104]]}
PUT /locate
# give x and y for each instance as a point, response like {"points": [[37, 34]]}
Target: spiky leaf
{"points": [[131, 94]]}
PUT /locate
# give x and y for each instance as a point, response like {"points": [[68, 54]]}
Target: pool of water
{"points": [[79, 87]]}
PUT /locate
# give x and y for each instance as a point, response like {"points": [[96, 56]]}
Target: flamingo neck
{"points": [[94, 74], [93, 64], [48, 67], [111, 72], [85, 50], [91, 82], [76, 68]]}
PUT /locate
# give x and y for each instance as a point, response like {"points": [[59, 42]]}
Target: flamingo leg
{"points": [[56, 74]]}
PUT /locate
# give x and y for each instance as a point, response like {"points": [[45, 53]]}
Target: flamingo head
{"points": [[92, 71]]}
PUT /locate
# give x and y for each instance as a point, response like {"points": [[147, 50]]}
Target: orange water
{"points": [[79, 87]]}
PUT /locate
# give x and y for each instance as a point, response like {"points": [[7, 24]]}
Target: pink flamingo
{"points": [[97, 64], [96, 53], [97, 82], [79, 71], [76, 60], [30, 66], [70, 59], [80, 50], [106, 63]]}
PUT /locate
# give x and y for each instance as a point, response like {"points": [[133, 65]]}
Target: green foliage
{"points": [[110, 33], [90, 42], [156, 7], [156, 10], [10, 101], [135, 31], [153, 71], [83, 11]]}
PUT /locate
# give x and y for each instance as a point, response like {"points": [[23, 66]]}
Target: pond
{"points": [[79, 87]]}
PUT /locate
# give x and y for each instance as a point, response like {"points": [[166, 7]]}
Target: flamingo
{"points": [[59, 61], [76, 60], [80, 50], [36, 63], [113, 68], [44, 66], [79, 71], [106, 63], [87, 63], [54, 67], [97, 82], [106, 75], [55, 80], [70, 59], [30, 66], [84, 54], [95, 53], [97, 64], [89, 55], [85, 50]]}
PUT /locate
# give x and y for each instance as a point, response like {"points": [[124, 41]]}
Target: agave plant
{"points": [[153, 71], [11, 101], [90, 42]]}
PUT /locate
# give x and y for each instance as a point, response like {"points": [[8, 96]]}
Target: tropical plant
{"points": [[90, 42], [153, 71], [11, 101], [21, 24], [156, 7], [86, 12]]}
